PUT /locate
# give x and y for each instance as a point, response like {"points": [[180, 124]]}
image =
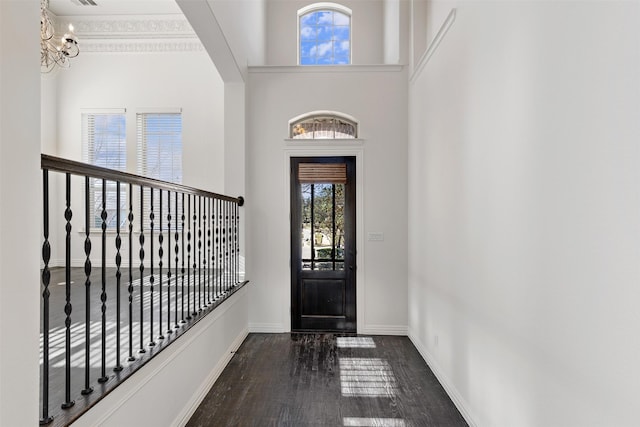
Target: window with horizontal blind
{"points": [[160, 157], [104, 144]]}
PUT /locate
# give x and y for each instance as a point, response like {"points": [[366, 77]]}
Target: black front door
{"points": [[323, 244]]}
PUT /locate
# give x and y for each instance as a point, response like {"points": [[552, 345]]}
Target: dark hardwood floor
{"points": [[326, 380]]}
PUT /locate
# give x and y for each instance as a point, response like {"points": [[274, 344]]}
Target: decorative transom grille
{"points": [[323, 127]]}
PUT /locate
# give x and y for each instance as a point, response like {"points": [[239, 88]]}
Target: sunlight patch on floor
{"points": [[366, 377], [355, 342], [373, 422], [57, 344]]}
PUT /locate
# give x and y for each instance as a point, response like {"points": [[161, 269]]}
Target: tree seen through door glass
{"points": [[322, 226]]}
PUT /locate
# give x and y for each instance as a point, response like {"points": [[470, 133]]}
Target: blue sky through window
{"points": [[325, 38]]}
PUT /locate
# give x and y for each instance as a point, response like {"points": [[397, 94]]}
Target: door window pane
{"points": [[322, 226]]}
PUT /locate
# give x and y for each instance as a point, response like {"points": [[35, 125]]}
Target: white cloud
{"points": [[321, 49], [325, 18], [307, 33], [340, 19], [306, 19]]}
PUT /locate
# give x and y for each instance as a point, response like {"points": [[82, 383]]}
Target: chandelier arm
{"points": [[55, 51]]}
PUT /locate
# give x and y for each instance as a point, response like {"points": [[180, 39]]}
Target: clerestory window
{"points": [[323, 125], [324, 34]]}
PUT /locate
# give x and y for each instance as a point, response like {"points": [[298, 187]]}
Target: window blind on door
{"points": [[327, 173]]}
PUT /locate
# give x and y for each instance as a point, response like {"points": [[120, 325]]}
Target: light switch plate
{"points": [[375, 236]]}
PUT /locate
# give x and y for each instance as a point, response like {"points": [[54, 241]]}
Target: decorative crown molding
{"points": [[134, 34], [146, 27], [142, 46]]}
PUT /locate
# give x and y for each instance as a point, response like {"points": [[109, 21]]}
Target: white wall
{"points": [[367, 38], [376, 96], [20, 184], [525, 211], [235, 114], [138, 82], [243, 23]]}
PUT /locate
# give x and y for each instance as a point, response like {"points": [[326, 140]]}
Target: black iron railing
{"points": [[94, 336]]}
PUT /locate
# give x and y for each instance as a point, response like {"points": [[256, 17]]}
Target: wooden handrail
{"points": [[73, 167]]}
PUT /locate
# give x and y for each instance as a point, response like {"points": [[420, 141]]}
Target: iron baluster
{"points": [[118, 366], [232, 237], [130, 287], [225, 238], [103, 294], [87, 287], [208, 257], [152, 278], [199, 256], [141, 255], [216, 248], [194, 266], [169, 274], [160, 256], [189, 257], [219, 248], [223, 230], [231, 247], [46, 293], [176, 250], [234, 258], [237, 243], [68, 214], [182, 263]]}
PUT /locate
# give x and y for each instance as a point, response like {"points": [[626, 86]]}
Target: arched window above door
{"points": [[323, 125], [324, 34]]}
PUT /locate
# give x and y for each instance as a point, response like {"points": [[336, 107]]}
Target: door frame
{"points": [[327, 322], [315, 149]]}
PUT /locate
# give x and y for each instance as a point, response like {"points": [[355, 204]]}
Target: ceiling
{"points": [[113, 7]]}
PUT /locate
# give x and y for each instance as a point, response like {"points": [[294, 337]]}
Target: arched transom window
{"points": [[323, 125], [324, 32]]}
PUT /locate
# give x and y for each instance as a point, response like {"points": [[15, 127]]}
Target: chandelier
{"points": [[55, 50]]}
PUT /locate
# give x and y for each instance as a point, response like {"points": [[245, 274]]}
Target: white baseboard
{"points": [[267, 328], [183, 418], [277, 328], [383, 330], [451, 390]]}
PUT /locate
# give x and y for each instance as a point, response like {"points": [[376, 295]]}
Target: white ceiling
{"points": [[114, 7]]}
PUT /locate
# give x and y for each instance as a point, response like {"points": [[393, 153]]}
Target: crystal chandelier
{"points": [[55, 50]]}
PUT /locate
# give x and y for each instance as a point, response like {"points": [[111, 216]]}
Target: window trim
{"points": [[326, 6]]}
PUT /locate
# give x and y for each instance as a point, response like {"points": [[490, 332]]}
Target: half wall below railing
{"points": [[177, 257]]}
